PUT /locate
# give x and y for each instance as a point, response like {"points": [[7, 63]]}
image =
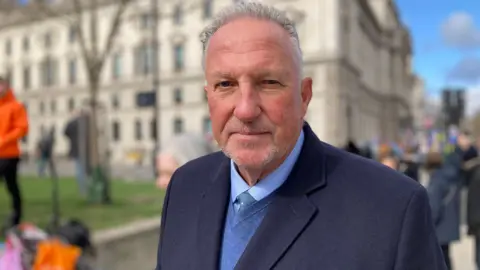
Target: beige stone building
{"points": [[358, 53]]}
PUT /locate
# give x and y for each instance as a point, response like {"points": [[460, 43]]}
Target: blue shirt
{"points": [[271, 182]]}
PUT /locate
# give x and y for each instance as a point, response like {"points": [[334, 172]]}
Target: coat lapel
{"points": [[290, 211], [212, 218]]}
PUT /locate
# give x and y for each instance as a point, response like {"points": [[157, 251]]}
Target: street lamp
{"points": [[155, 48]]}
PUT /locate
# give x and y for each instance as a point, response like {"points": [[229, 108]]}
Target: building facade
{"points": [[418, 104], [357, 52]]}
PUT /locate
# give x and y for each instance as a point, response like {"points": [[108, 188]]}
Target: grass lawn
{"points": [[131, 201]]}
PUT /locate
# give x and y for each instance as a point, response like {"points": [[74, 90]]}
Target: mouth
{"points": [[249, 135]]}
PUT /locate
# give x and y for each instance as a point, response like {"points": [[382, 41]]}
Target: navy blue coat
{"points": [[336, 211], [444, 192]]}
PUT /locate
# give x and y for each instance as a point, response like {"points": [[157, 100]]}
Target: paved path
{"points": [[462, 254], [67, 168]]}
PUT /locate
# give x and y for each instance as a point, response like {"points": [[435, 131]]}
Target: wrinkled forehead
{"points": [[244, 36]]}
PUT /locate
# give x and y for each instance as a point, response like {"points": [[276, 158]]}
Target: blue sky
{"points": [[442, 57]]}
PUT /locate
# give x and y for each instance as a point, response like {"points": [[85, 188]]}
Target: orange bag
{"points": [[55, 255]]}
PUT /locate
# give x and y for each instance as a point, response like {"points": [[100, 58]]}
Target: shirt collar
{"points": [[271, 182]]}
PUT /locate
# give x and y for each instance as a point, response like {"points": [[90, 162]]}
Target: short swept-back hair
{"points": [[253, 10], [433, 160]]}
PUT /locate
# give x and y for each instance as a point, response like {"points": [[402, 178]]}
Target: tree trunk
{"points": [[99, 189]]}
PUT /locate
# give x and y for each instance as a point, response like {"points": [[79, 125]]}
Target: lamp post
{"points": [[155, 46]]}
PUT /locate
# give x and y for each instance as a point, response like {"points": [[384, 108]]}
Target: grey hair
{"points": [[254, 10]]}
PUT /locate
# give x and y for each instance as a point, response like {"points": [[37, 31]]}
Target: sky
{"points": [[446, 37]]}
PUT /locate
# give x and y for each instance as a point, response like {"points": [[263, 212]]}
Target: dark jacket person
{"points": [[444, 193]]}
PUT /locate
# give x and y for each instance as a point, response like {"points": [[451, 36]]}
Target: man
{"points": [[277, 197], [77, 133], [45, 151], [472, 167], [13, 126]]}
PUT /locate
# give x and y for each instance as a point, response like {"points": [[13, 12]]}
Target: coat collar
{"points": [[287, 216]]}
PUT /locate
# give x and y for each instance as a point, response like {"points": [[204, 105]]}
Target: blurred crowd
{"points": [[447, 172]]}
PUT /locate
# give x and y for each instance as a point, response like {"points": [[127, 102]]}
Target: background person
{"points": [[180, 150], [13, 127]]}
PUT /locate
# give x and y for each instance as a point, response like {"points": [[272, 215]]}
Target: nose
{"points": [[247, 108]]}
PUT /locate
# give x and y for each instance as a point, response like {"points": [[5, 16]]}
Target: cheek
{"points": [[220, 113], [280, 110]]}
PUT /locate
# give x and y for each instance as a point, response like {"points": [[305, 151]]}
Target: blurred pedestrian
{"points": [[410, 164], [352, 147], [13, 127], [367, 151], [387, 157], [77, 133], [45, 150], [472, 167], [444, 195], [180, 150]]}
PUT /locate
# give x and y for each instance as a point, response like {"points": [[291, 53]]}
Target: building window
{"points": [[178, 15], [10, 75], [115, 101], [53, 106], [26, 44], [72, 71], [48, 72], [138, 130], [143, 60], [116, 66], [47, 40], [178, 126], [207, 9], [72, 34], [41, 107], [8, 47], [178, 53], [71, 104], [26, 78], [177, 96], [207, 125], [146, 21], [116, 133], [153, 129]]}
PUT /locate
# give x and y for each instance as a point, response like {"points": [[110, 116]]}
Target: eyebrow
{"points": [[259, 73]]}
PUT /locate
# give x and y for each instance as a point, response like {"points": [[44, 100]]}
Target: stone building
{"points": [[358, 53]]}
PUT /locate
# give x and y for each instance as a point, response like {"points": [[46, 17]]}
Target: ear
{"points": [[306, 94]]}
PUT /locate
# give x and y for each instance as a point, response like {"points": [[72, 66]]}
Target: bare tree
{"points": [[83, 17]]}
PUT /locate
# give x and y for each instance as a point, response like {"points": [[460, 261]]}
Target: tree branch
{"points": [[78, 26], [115, 26]]}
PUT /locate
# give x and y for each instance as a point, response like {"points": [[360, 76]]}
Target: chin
{"points": [[251, 158]]}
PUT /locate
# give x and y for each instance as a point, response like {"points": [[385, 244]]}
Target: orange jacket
{"points": [[13, 125]]}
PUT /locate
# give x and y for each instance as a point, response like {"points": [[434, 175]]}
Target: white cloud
{"points": [[459, 31]]}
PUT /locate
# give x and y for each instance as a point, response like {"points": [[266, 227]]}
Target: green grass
{"points": [[131, 201]]}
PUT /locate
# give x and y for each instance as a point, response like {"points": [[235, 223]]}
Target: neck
{"points": [[253, 175]]}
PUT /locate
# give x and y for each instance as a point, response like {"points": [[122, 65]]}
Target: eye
{"points": [[270, 82], [224, 84]]}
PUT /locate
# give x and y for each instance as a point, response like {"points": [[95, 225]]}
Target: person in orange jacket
{"points": [[13, 126]]}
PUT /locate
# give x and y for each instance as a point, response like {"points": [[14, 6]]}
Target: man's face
{"points": [[256, 97], [463, 141]]}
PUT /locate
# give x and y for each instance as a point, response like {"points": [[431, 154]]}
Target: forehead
{"points": [[249, 42]]}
